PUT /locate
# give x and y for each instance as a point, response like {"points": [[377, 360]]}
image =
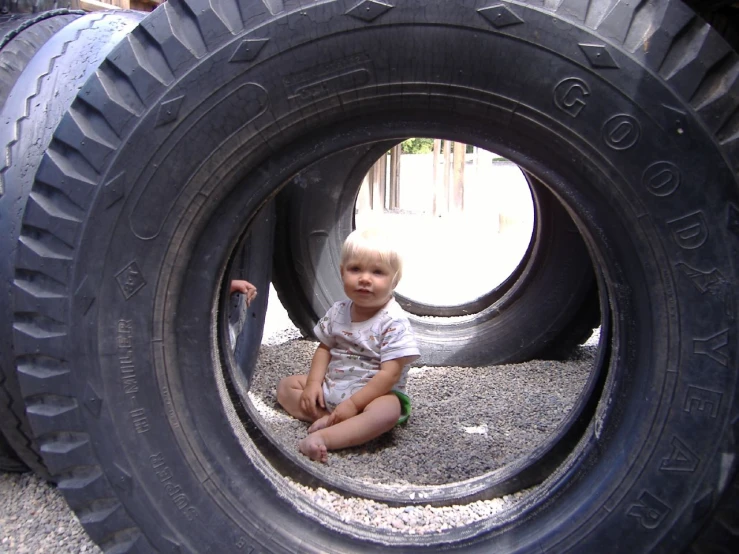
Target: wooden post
{"points": [[438, 189], [457, 199], [395, 154], [370, 180], [378, 183], [447, 145], [95, 5]]}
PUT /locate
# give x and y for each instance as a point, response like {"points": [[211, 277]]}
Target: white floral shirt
{"points": [[358, 348]]}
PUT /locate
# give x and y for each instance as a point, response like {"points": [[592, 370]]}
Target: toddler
{"points": [[355, 389]]}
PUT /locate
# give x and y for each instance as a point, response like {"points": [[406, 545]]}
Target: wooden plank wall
{"points": [[95, 5]]}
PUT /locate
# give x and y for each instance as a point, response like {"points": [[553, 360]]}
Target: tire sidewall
{"points": [[509, 324]]}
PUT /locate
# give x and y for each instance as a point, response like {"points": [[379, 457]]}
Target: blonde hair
{"points": [[371, 242]]}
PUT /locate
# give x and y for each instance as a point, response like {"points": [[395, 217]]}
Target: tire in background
{"points": [[40, 97], [578, 330], [534, 311], [618, 107], [253, 263], [22, 36]]}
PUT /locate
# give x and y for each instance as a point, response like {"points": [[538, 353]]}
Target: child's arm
{"points": [[381, 384], [312, 396]]}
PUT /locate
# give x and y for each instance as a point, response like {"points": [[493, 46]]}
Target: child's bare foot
{"points": [[318, 424], [314, 447]]}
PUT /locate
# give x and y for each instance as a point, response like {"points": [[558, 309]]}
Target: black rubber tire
{"points": [[533, 312], [9, 460], [246, 323], [620, 108], [22, 36], [42, 94], [577, 331]]}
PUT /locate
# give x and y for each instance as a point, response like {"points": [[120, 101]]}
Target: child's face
{"points": [[368, 282]]}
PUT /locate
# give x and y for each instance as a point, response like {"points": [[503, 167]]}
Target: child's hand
{"points": [[343, 411], [311, 399], [245, 288]]}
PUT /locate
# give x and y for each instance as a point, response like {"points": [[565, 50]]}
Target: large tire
{"points": [[623, 109], [529, 314], [580, 328], [39, 98], [22, 36]]}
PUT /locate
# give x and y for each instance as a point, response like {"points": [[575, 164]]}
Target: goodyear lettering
{"points": [[570, 96], [689, 231], [704, 401]]}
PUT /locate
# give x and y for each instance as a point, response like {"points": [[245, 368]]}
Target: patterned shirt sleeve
{"points": [[397, 340], [323, 329]]}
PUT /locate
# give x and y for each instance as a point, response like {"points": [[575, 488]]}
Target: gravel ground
{"points": [[35, 519], [472, 420]]}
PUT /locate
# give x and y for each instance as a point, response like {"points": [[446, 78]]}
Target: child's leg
{"points": [[378, 417], [289, 391]]}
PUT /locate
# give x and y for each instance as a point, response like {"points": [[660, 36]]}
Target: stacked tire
{"points": [[150, 158], [23, 37]]}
